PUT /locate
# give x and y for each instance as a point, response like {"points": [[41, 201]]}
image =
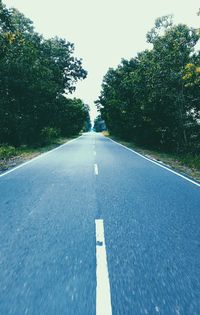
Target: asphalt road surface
{"points": [[94, 228]]}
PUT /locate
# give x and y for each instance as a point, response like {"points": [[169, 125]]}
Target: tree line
{"points": [[35, 74], [99, 124], [154, 98]]}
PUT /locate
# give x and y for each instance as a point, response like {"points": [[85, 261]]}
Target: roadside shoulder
{"points": [[23, 155], [171, 161]]}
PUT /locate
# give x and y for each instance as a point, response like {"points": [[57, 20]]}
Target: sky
{"points": [[103, 31]]}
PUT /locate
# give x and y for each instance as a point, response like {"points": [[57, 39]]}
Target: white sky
{"points": [[103, 31]]}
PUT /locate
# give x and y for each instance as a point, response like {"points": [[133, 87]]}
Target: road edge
{"points": [[37, 157], [158, 164]]}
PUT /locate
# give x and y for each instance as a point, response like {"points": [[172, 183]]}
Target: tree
{"points": [[87, 125], [72, 114], [34, 73], [149, 99], [99, 124]]}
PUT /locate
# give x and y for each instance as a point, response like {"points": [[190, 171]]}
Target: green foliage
{"points": [[99, 124], [193, 161], [154, 99], [87, 125], [34, 74], [48, 135], [71, 115], [6, 152]]}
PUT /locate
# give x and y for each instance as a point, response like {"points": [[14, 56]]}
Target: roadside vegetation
{"points": [[153, 100], [37, 76]]}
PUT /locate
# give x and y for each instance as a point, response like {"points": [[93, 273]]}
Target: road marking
{"points": [[103, 297], [96, 171], [94, 153], [38, 157], [157, 163]]}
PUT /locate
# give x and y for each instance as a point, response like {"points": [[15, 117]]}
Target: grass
{"points": [[187, 164], [105, 133], [11, 156]]}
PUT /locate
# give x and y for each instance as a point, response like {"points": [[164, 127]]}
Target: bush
{"points": [[6, 152], [193, 161], [48, 135]]}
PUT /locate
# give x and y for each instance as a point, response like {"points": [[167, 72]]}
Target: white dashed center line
{"points": [[103, 297], [96, 171]]}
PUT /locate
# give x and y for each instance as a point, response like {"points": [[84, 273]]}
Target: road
{"points": [[94, 228]]}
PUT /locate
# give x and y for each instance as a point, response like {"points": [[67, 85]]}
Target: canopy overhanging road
{"points": [[93, 228]]}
